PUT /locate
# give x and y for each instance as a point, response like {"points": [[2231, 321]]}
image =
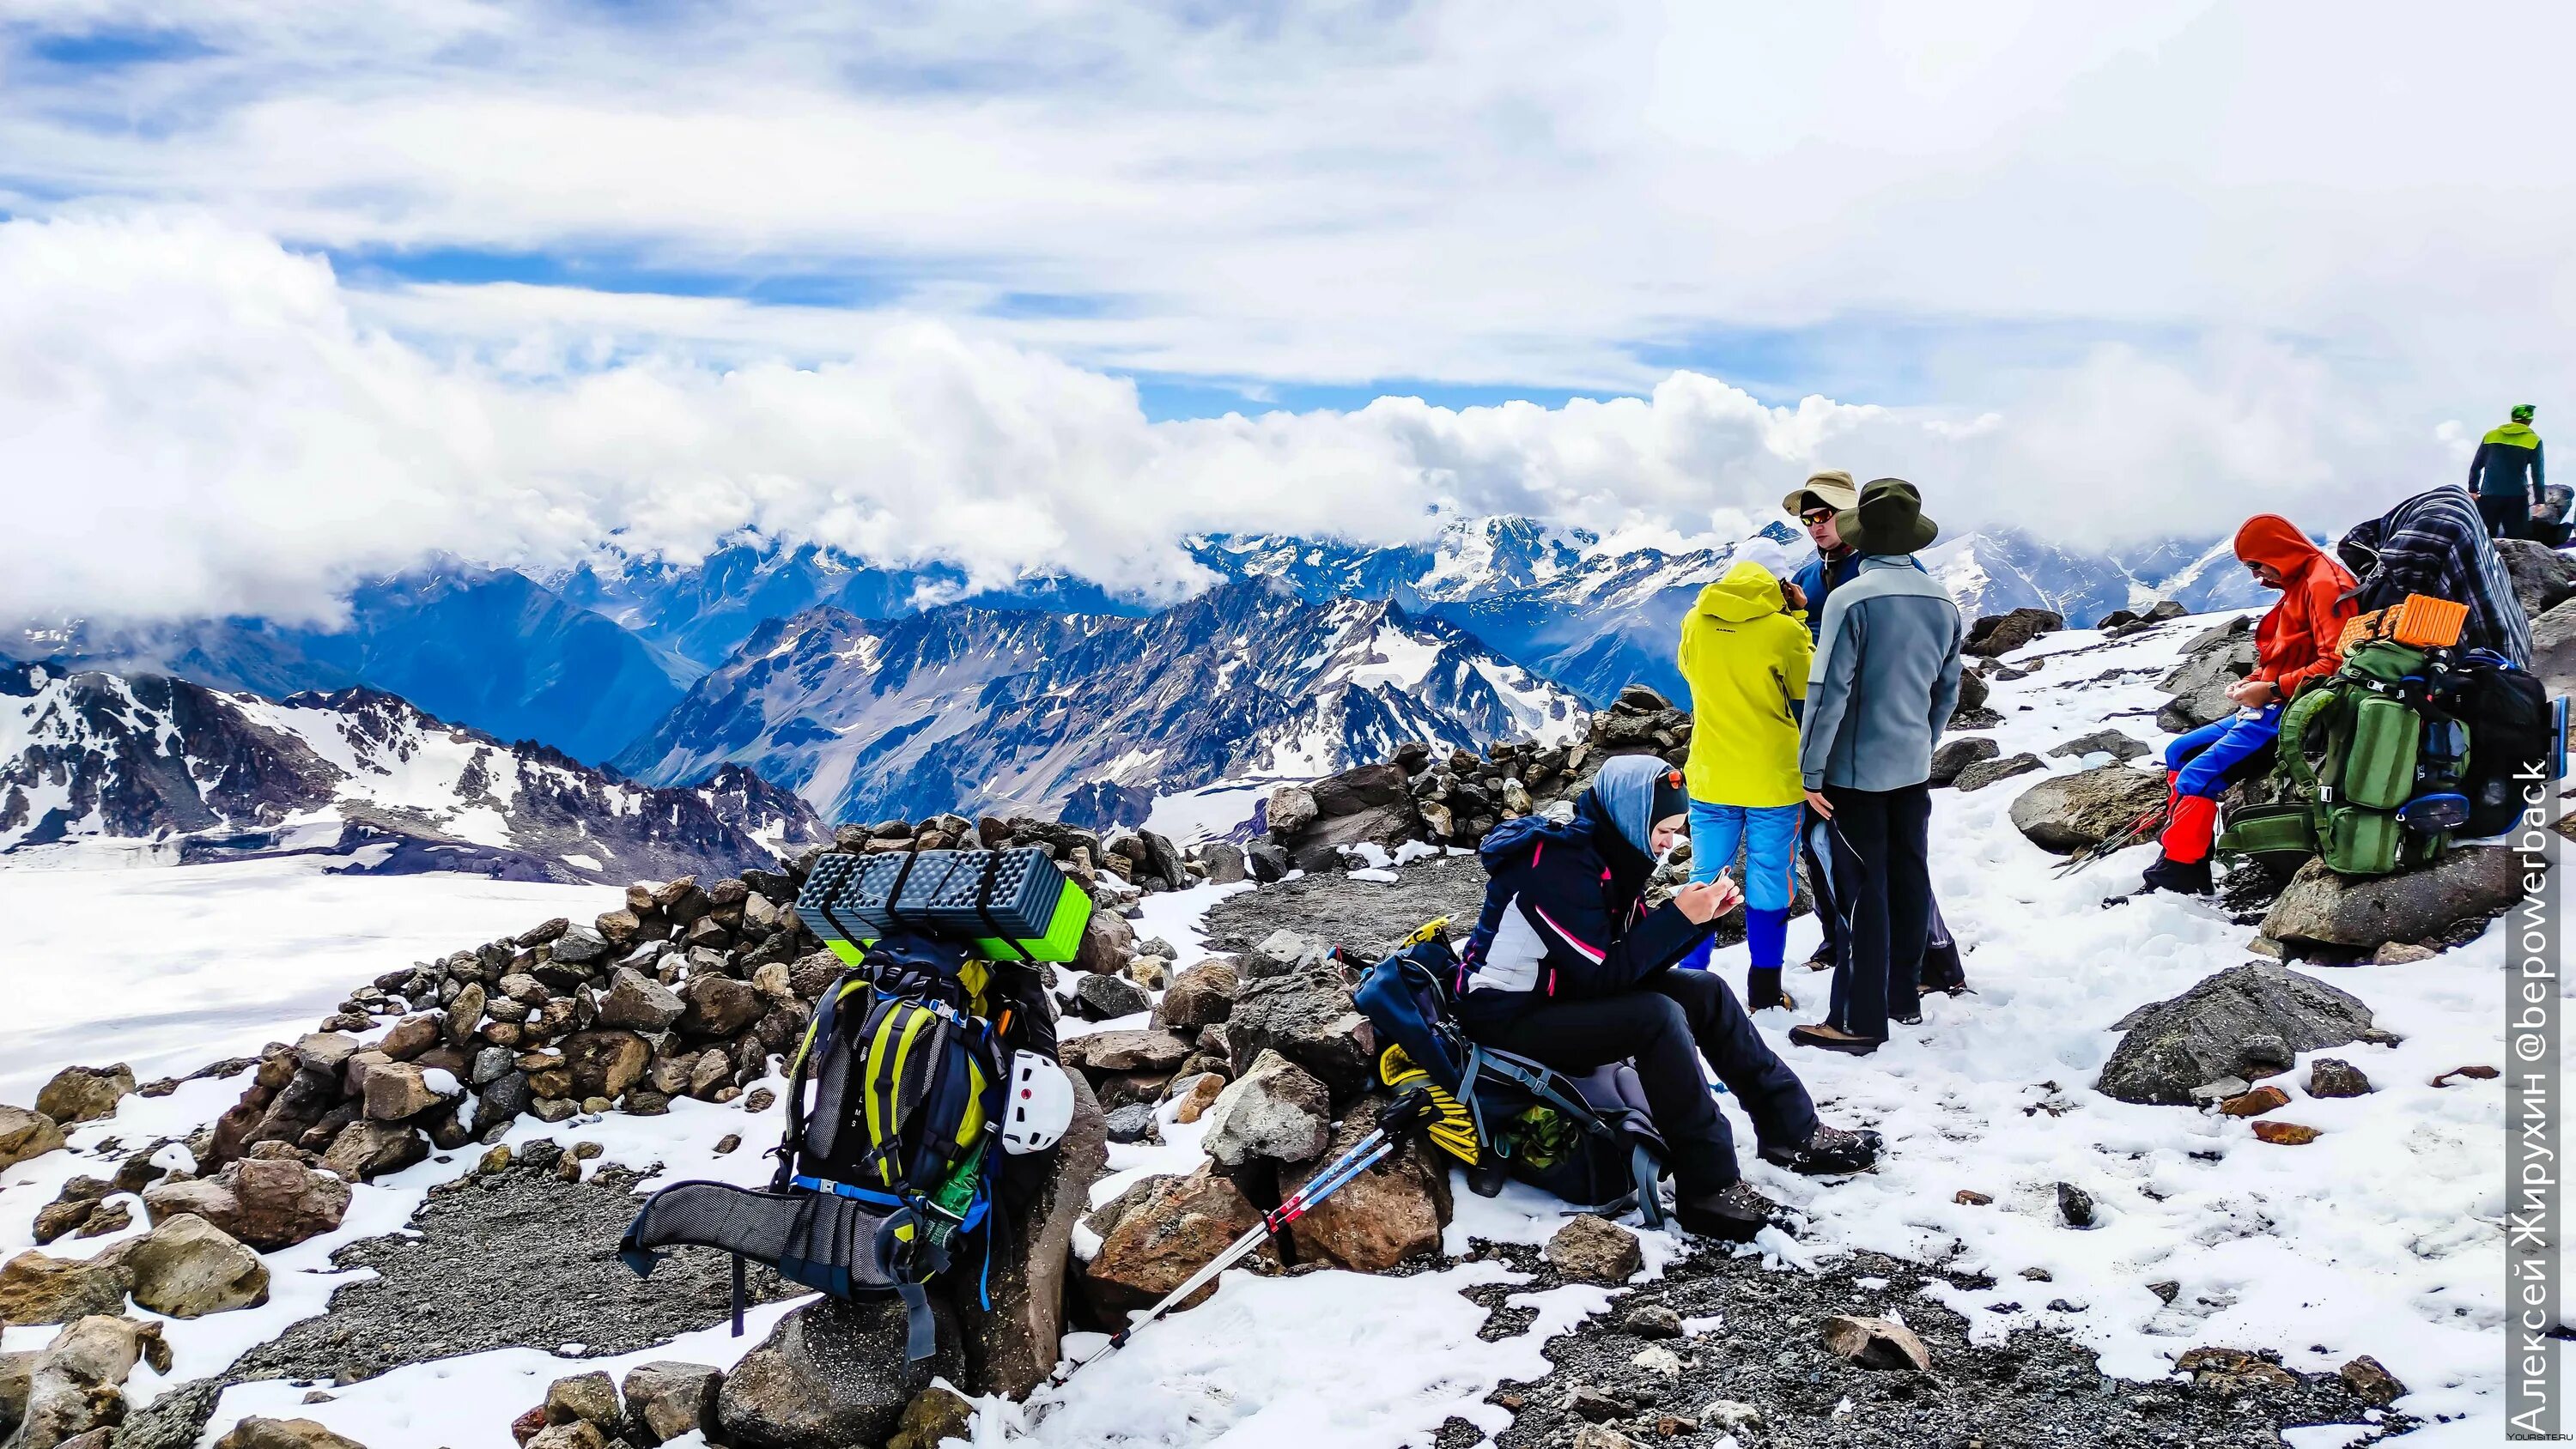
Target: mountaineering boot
{"points": [[2182, 877], [1762, 990], [1823, 960], [1831, 1151], [1734, 1212]]}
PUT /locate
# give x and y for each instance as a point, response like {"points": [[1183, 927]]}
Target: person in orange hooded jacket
{"points": [[2294, 645]]}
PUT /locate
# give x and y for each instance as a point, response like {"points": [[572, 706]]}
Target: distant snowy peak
{"points": [[1023, 711], [1995, 573], [191, 773]]}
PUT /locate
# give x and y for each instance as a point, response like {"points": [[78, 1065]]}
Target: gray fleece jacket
{"points": [[1884, 681]]}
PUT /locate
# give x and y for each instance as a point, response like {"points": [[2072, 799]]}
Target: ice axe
{"points": [[1400, 1118]]}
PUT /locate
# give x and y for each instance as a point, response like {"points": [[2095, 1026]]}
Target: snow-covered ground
{"points": [[2382, 1237], [167, 968]]}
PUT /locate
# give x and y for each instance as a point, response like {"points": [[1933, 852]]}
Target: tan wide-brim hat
{"points": [[1832, 488]]}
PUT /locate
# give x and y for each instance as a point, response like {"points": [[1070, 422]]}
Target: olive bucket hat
{"points": [[1888, 519]]}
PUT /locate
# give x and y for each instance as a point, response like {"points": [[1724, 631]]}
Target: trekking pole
{"points": [[1401, 1117]]}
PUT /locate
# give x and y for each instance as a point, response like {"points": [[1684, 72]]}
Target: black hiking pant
{"points": [[1667, 1025], [1942, 970], [1883, 896], [2506, 515]]}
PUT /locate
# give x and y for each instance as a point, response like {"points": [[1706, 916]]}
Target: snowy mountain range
{"points": [[178, 771], [873, 691], [1022, 710]]}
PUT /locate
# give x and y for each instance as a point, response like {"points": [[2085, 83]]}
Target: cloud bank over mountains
{"points": [[293, 294]]}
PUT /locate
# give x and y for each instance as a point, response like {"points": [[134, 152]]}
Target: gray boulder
{"points": [[2553, 648], [1958, 753], [85, 1094], [1225, 862], [667, 1398], [1986, 772], [2543, 578], [25, 1134], [2468, 884], [1103, 998], [1308, 1018], [637, 1002], [2066, 813], [832, 1374], [2220, 657], [187, 1267], [1998, 634], [2101, 742], [2246, 1022], [1275, 1110], [1289, 809]]}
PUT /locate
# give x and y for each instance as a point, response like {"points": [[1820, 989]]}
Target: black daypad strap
{"points": [[894, 897], [792, 1141], [921, 1331], [832, 1105]]}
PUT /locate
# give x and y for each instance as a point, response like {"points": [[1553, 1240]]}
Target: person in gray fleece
{"points": [[1884, 681]]}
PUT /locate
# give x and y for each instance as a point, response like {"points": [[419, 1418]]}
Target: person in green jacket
{"points": [[1745, 654], [2507, 476]]}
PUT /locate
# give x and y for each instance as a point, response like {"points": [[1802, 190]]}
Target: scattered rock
{"points": [[935, 1414], [2470, 883], [85, 1094], [1979, 775], [25, 1134], [1125, 1051], [1970, 1197], [1196, 1094], [2543, 578], [2401, 953], [1275, 1110], [1877, 1343], [1957, 753], [2215, 661], [720, 1006], [74, 1386], [832, 1374], [1379, 1219], [1198, 997], [2074, 1205], [1730, 1416], [1662, 1362], [590, 1398], [365, 1151], [606, 1063], [2066, 813], [666, 1399], [1289, 809], [1169, 1233], [1600, 1436], [36, 1288], [574, 1434], [1593, 1404], [398, 1091], [2255, 1103], [1652, 1320], [2219, 1026], [2112, 742], [2475, 1074], [637, 1002], [255, 1432], [268, 1204], [2335, 1077], [1104, 998], [1596, 1250], [1308, 1018], [187, 1267], [1131, 1123], [2231, 1370], [2286, 1134], [2372, 1381], [1107, 942]]}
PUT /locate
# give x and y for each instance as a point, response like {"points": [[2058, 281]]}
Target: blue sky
{"points": [[2077, 267]]}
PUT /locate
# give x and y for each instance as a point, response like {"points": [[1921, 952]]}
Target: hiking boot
{"points": [[1734, 1212], [2184, 878], [1823, 960], [1820, 1035], [1487, 1176], [1832, 1151], [1762, 989]]}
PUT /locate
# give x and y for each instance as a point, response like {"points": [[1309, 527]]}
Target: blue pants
{"points": [[1769, 835], [2202, 759]]}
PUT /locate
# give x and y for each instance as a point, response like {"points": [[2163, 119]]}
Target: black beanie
{"points": [[1671, 797]]}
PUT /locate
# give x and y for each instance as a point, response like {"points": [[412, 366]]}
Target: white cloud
{"points": [[194, 419], [1446, 191]]}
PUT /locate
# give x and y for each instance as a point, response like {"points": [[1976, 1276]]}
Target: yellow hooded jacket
{"points": [[1745, 656]]}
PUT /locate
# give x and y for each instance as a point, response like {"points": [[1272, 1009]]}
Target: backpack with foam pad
{"points": [[1588, 1140], [2374, 761], [1007, 905], [904, 1092]]}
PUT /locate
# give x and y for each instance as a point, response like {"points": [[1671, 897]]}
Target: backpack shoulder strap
{"points": [[2302, 712], [819, 1029]]}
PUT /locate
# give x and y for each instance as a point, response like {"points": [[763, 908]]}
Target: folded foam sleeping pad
{"points": [[1012, 905]]}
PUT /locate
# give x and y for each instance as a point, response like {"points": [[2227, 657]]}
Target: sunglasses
{"points": [[1814, 516]]}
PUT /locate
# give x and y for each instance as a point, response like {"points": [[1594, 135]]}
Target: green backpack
{"points": [[2372, 766]]}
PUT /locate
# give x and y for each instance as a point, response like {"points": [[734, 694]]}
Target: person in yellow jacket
{"points": [[1745, 653]]}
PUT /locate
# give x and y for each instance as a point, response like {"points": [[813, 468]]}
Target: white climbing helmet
{"points": [[1038, 1105]]}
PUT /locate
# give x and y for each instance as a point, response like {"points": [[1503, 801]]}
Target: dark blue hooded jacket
{"points": [[1564, 915]]}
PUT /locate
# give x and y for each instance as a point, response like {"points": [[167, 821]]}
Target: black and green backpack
{"points": [[2373, 760], [887, 1164]]}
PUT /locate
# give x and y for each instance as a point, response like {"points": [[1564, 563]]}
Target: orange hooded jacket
{"points": [[2296, 642]]}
